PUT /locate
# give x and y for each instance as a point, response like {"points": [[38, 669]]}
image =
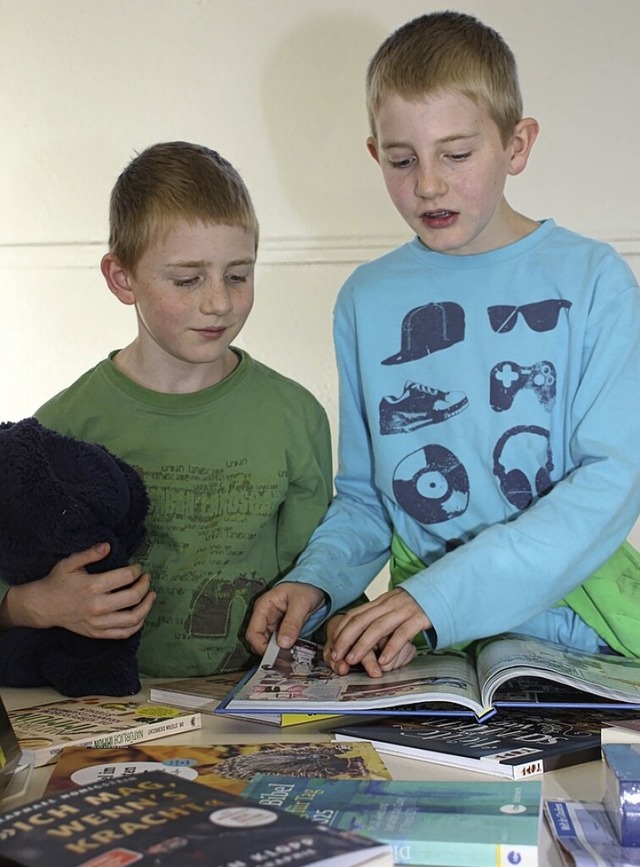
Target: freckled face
{"points": [[193, 291], [445, 167]]}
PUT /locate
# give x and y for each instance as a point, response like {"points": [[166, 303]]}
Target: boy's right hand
{"points": [[287, 605], [110, 604]]}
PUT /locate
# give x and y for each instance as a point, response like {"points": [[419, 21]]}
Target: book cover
{"points": [[94, 721], [494, 673], [518, 744], [622, 790], [157, 819], [584, 836], [206, 693], [471, 824], [225, 766]]}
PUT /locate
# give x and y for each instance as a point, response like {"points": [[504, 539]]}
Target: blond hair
{"points": [[173, 181], [446, 51]]}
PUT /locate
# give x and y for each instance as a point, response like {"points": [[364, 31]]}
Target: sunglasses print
{"points": [[539, 316]]}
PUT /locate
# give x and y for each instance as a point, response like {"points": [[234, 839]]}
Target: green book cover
{"points": [[450, 824]]}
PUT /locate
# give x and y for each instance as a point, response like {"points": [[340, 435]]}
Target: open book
{"points": [[512, 670]]}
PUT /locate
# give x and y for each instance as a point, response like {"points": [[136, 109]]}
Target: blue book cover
{"points": [[622, 790], [450, 824], [157, 819]]}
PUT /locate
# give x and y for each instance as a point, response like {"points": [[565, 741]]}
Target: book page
{"points": [[501, 659], [298, 679]]}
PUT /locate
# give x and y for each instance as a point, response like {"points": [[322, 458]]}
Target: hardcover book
{"points": [[205, 694], [227, 766], [518, 744], [470, 824], [502, 672], [158, 819], [585, 837], [94, 721], [622, 790]]}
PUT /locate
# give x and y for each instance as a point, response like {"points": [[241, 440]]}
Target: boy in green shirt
{"points": [[236, 458]]}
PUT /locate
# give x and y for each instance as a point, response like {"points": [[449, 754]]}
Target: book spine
{"points": [[460, 854], [124, 737]]}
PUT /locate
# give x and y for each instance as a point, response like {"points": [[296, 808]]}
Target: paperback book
{"points": [[480, 681], [469, 824], [585, 837], [516, 745], [94, 721], [205, 694], [227, 766], [158, 819]]}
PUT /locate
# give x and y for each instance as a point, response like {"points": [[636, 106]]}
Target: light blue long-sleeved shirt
{"points": [[489, 415]]}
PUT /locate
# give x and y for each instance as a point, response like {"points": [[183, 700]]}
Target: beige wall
{"points": [[277, 87]]}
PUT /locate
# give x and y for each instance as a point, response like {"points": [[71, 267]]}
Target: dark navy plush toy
{"points": [[58, 496]]}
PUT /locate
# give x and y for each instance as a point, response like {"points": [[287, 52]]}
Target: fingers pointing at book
{"points": [[377, 635], [285, 608]]}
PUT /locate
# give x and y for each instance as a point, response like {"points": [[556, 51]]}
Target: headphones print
{"points": [[518, 485]]}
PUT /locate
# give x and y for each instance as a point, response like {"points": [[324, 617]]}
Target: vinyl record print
{"points": [[431, 485]]}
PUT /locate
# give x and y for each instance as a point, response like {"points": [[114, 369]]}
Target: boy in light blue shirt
{"points": [[489, 378]]}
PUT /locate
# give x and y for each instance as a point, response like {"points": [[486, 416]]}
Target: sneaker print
{"points": [[419, 405]]}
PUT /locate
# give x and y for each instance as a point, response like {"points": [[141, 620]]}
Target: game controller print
{"points": [[507, 379], [419, 405], [431, 485]]}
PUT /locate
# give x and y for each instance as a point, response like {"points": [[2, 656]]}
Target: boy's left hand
{"points": [[390, 622]]}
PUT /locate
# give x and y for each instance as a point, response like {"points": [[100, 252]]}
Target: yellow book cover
{"points": [[226, 766]]}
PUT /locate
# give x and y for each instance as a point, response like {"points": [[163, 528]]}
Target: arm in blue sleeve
{"points": [[514, 570]]}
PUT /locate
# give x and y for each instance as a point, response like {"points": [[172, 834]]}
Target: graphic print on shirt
{"points": [[507, 379], [431, 485], [521, 485], [428, 329], [539, 315], [218, 610], [418, 406]]}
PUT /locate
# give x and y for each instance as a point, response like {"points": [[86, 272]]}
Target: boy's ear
{"points": [[372, 147], [524, 136], [117, 277]]}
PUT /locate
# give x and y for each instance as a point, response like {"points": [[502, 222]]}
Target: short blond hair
{"points": [[173, 181], [446, 51]]}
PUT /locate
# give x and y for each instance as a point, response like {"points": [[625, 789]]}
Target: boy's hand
{"points": [[290, 602], [370, 661], [385, 626], [110, 604]]}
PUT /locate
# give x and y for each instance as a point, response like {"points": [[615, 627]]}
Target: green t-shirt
{"points": [[238, 476]]}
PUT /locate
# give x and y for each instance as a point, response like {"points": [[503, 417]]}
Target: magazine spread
{"points": [[298, 680]]}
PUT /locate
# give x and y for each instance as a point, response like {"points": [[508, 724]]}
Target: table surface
{"points": [[581, 782]]}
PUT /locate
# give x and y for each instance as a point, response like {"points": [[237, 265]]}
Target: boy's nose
{"points": [[429, 183], [215, 297]]}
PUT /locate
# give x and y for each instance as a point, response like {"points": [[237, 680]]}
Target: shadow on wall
{"points": [[313, 96]]}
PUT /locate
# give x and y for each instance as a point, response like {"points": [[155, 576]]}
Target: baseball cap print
{"points": [[429, 329]]}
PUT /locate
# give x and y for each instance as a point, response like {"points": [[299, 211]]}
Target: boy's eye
{"points": [[400, 162], [185, 282], [458, 158]]}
